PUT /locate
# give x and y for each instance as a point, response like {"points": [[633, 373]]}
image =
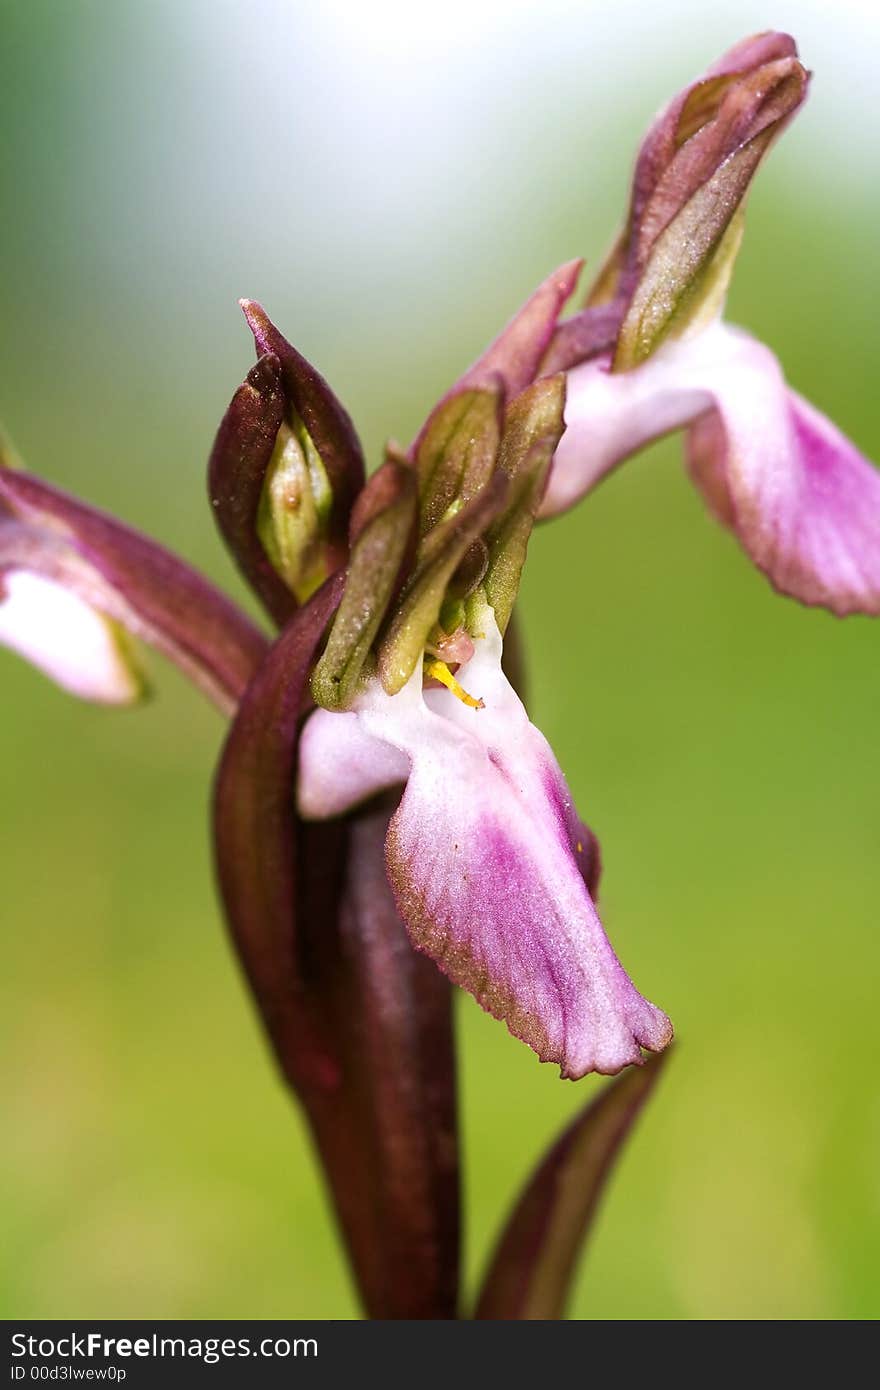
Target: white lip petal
{"points": [[342, 765], [77, 647]]}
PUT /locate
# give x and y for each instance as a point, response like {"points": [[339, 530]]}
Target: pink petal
{"points": [[803, 501], [489, 862], [807, 511], [341, 765], [610, 415]]}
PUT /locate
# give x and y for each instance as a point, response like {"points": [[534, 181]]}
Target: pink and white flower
{"points": [[491, 868]]}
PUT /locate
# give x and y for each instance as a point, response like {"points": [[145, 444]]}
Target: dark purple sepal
{"points": [[585, 335], [387, 1134], [360, 1025], [516, 353], [237, 470], [157, 597], [323, 415], [254, 823], [534, 1263], [514, 359]]}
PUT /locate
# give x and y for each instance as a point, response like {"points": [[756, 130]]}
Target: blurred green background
{"points": [[391, 181]]}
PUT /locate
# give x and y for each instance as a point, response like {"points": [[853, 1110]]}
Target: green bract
{"points": [[295, 509], [377, 556]]}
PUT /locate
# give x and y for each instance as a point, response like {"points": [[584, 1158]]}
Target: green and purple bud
{"points": [[284, 473], [670, 267], [650, 353]]}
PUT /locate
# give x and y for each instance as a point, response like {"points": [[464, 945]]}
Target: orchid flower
{"points": [[394, 598], [383, 803], [483, 865], [651, 352]]}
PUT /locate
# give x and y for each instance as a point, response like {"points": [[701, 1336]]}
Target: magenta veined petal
{"points": [[802, 500], [488, 865], [809, 515]]}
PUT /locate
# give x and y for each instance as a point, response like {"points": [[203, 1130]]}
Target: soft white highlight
{"points": [[77, 647]]}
